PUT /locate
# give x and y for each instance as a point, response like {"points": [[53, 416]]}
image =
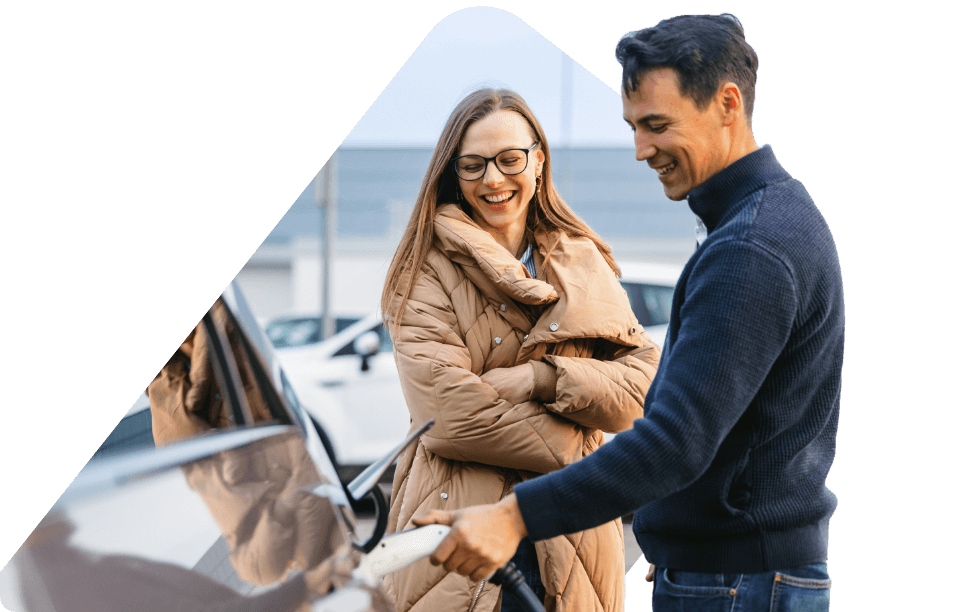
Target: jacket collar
{"points": [[458, 237], [725, 191], [580, 293]]}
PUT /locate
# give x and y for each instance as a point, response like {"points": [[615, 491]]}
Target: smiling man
{"points": [[726, 472]]}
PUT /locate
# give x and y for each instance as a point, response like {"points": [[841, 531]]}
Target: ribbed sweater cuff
{"points": [[539, 510]]}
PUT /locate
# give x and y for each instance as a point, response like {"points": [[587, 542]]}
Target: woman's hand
{"points": [[512, 384]]}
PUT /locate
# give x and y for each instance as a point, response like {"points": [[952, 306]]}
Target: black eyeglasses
{"points": [[509, 162]]}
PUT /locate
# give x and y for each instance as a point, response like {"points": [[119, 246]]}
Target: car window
{"points": [[302, 330], [134, 431], [294, 333], [386, 344], [209, 383], [651, 303]]}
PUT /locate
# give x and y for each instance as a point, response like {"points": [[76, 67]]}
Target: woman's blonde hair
{"points": [[440, 185]]}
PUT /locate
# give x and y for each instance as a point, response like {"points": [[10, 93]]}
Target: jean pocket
{"points": [[674, 590], [795, 594]]}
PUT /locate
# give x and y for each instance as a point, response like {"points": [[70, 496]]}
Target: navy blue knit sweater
{"points": [[727, 468]]}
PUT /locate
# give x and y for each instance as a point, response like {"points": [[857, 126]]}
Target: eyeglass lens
{"points": [[511, 161]]}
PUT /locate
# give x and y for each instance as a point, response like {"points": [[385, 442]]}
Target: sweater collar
{"points": [[724, 191]]}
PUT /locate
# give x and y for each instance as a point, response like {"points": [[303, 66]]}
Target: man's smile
{"points": [[666, 169]]}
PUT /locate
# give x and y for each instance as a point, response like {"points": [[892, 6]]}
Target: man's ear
{"points": [[731, 103]]}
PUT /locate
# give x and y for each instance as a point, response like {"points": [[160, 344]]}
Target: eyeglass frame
{"points": [[487, 160]]}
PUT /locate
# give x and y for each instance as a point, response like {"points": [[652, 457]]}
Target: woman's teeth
{"points": [[498, 198]]}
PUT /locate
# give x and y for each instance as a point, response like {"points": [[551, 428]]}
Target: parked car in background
{"points": [[232, 504], [349, 385], [302, 330], [650, 290]]}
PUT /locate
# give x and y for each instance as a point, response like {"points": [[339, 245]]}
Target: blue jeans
{"points": [[526, 561], [805, 589]]}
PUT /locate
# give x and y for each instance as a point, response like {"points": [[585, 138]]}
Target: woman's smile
{"points": [[499, 201], [499, 197]]}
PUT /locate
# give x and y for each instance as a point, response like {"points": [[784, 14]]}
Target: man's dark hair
{"points": [[705, 50]]}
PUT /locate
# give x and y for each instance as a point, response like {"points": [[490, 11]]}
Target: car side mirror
{"points": [[366, 345]]}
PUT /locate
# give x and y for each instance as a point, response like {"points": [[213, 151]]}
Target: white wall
{"points": [[287, 280]]}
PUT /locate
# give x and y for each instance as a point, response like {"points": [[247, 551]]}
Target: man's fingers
{"points": [[448, 545], [468, 566], [434, 517], [443, 551], [483, 572]]}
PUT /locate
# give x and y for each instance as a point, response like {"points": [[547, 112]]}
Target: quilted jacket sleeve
{"points": [[606, 395], [472, 422]]}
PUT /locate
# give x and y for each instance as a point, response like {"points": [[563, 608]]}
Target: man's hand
{"points": [[481, 540], [512, 384]]}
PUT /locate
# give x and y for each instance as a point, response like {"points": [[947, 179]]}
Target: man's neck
{"points": [[742, 144]]}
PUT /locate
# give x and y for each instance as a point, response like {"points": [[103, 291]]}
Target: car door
{"points": [[238, 512], [369, 390]]}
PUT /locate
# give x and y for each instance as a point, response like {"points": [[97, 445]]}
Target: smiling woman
{"points": [[511, 331]]}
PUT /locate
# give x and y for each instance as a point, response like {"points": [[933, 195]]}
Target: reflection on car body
{"points": [[231, 503]]}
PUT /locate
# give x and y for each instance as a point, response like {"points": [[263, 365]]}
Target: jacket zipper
{"points": [[477, 596]]}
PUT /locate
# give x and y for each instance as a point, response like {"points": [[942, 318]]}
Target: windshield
{"points": [[651, 303], [301, 331]]}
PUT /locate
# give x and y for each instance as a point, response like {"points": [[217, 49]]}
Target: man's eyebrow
{"points": [[652, 117], [648, 119]]}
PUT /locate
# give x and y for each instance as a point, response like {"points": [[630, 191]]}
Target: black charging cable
{"points": [[509, 577]]}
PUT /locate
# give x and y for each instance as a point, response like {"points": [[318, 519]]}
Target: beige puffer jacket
{"points": [[474, 308]]}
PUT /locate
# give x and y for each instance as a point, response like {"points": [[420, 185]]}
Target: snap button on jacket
{"points": [[575, 316]]}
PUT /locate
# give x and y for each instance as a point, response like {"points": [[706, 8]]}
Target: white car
{"points": [[301, 330], [650, 290], [350, 387]]}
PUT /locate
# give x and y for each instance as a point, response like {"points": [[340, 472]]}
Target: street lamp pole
{"points": [[327, 201], [566, 124]]}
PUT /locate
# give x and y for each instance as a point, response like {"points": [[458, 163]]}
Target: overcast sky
{"points": [[490, 47]]}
